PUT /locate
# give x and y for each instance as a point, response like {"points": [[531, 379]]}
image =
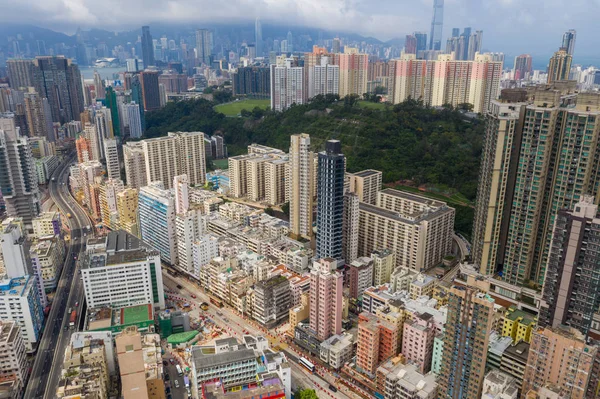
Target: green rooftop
{"points": [[513, 314], [181, 338], [136, 314]]}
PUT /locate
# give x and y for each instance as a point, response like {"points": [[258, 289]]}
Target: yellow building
{"points": [[300, 312], [518, 325], [127, 206]]}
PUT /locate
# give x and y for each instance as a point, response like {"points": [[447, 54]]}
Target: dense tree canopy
{"points": [[407, 141]]}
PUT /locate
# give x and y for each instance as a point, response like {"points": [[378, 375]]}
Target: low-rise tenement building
{"points": [[272, 301], [337, 350], [518, 324], [14, 369], [47, 224], [47, 257], [498, 385], [120, 270], [404, 381]]}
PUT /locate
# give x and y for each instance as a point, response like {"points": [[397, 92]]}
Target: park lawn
{"points": [[221, 163], [234, 108]]}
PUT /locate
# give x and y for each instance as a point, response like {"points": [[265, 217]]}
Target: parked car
{"points": [[172, 360], [165, 363], [193, 296], [176, 384], [179, 286]]}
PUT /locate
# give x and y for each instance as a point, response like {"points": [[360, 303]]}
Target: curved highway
{"points": [[56, 335]]}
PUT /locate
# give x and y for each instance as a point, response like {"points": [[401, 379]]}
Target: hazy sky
{"points": [[512, 26]]}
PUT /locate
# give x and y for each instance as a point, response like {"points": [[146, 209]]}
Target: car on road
{"points": [[193, 296], [167, 377], [172, 360], [165, 363], [179, 286], [219, 313], [168, 390], [225, 319], [76, 303], [176, 384], [333, 388], [66, 328]]}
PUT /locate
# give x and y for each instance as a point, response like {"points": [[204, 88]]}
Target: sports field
{"points": [[234, 108]]}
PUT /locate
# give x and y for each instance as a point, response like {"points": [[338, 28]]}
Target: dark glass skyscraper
{"points": [[568, 42], [111, 103], [147, 47], [435, 39], [330, 197]]}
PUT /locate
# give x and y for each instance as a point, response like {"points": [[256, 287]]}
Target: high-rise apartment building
{"points": [[150, 90], [275, 181], [426, 225], [560, 356], [111, 153], [417, 341], [119, 271], [384, 263], [177, 154], [272, 301], [147, 47], [135, 164], [39, 118], [437, 21], [59, 80], [515, 213], [468, 326], [326, 286], [361, 276], [378, 341], [132, 110], [127, 206], [302, 182], [353, 71], [410, 44], [204, 45], [330, 200], [288, 85], [18, 178], [20, 73], [253, 81], [350, 224], [366, 184], [323, 79], [157, 220], [571, 293], [409, 78], [522, 69], [559, 66], [568, 41], [13, 363]]}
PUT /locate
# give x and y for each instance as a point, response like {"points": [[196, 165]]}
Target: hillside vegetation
{"points": [[410, 143]]}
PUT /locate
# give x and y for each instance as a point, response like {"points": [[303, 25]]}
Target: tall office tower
{"points": [[150, 90], [132, 110], [113, 166], [350, 224], [568, 41], [122, 271], [258, 39], [39, 123], [559, 66], [326, 286], [559, 356], [99, 86], [15, 369], [287, 85], [519, 137], [204, 45], [366, 184], [409, 78], [111, 104], [475, 44], [336, 45], [59, 80], [147, 47], [135, 164], [353, 71], [178, 153], [571, 292], [421, 40], [470, 320], [323, 79], [20, 73], [157, 220], [330, 200], [435, 37], [18, 180], [137, 96], [410, 44], [522, 69], [302, 181]]}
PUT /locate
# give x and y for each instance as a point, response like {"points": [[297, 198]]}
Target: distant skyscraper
{"points": [[559, 66], [20, 73], [470, 321], [475, 43], [133, 65], [323, 79], [421, 40], [336, 45], [147, 47], [59, 80], [568, 42], [290, 42], [330, 200], [258, 40], [132, 111], [99, 86], [302, 180], [204, 45], [410, 44], [111, 103], [522, 66], [435, 38], [18, 179], [455, 32], [150, 90], [137, 96]]}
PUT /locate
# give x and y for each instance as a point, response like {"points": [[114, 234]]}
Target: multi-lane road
{"points": [[56, 336]]}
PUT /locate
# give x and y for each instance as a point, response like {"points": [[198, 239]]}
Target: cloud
{"points": [[533, 26]]}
